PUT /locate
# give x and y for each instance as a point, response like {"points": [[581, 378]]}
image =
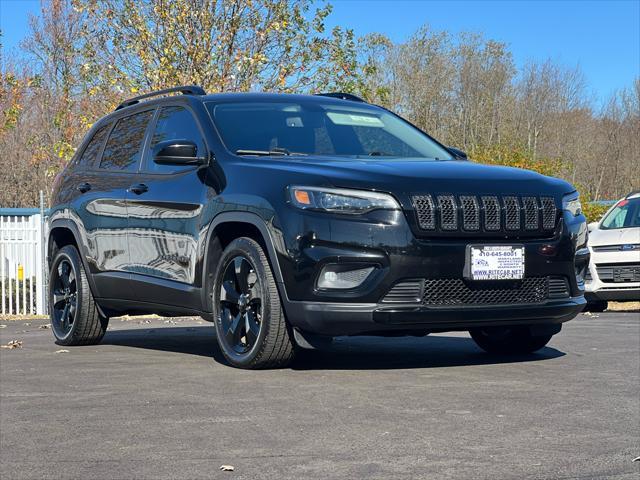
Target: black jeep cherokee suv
{"points": [[289, 219]]}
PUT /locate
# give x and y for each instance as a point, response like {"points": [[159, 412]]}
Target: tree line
{"points": [[82, 57]]}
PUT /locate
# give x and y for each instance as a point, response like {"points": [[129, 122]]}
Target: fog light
{"points": [[343, 276]]}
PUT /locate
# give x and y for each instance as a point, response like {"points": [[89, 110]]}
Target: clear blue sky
{"points": [[602, 37]]}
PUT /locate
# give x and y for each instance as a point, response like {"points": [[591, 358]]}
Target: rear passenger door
{"points": [[104, 204], [164, 214]]}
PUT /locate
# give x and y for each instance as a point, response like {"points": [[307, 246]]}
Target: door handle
{"points": [[138, 188], [84, 187]]}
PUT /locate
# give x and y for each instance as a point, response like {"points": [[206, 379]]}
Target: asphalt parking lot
{"points": [[153, 401]]}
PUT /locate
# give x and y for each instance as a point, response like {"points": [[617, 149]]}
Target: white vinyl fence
{"points": [[22, 269]]}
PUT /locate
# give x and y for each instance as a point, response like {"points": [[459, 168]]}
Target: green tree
{"points": [[231, 45]]}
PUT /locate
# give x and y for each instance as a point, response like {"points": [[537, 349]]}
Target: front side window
{"points": [[318, 128], [124, 146], [626, 214], [94, 146], [174, 123]]}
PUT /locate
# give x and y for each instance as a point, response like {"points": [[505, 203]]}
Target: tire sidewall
{"points": [[247, 249], [70, 254]]}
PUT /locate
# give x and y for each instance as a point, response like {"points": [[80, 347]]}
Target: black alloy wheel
{"points": [[240, 305], [64, 298], [76, 319], [251, 327]]}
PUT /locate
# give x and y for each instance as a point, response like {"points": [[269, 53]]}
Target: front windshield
{"points": [[316, 128], [625, 214]]}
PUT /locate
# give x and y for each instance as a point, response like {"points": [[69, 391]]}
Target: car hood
{"points": [[418, 175], [618, 236]]}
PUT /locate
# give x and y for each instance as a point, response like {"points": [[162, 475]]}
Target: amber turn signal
{"points": [[302, 197]]}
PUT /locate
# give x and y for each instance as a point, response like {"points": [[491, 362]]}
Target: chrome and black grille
{"points": [[470, 212], [508, 214], [426, 211], [618, 272], [448, 292], [492, 213], [448, 212]]}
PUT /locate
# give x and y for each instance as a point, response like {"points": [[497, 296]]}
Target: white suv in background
{"points": [[614, 243]]}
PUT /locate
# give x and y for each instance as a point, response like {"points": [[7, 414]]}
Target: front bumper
{"points": [[629, 293], [596, 289], [385, 241], [357, 319]]}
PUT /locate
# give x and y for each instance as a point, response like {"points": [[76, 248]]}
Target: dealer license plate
{"points": [[496, 262]]}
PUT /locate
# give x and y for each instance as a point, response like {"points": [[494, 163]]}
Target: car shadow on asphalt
{"points": [[437, 351], [346, 353]]}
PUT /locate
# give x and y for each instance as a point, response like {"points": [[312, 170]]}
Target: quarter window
{"points": [[174, 123], [92, 150], [124, 146]]}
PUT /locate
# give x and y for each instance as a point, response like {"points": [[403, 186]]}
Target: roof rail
{"points": [[184, 89], [342, 96]]}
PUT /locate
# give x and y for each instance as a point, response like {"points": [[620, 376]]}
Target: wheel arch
{"points": [[63, 232], [226, 227]]}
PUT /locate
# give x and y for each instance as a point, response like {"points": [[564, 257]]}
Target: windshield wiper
{"points": [[273, 152]]}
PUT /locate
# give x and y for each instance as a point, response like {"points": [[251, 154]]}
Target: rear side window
{"points": [[93, 148], [124, 146], [174, 123]]}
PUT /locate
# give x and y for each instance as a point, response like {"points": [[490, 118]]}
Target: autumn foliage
{"points": [[82, 57]]}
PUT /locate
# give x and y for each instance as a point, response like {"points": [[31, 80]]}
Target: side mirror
{"points": [[177, 152], [459, 154], [592, 226]]}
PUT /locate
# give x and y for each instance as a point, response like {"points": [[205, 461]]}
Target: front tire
{"points": [[597, 306], [250, 323], [508, 341], [75, 318]]}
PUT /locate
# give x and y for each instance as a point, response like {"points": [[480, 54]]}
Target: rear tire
{"points": [[251, 328], [75, 318], [508, 341]]}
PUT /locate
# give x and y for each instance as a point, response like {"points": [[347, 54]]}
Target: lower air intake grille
{"points": [[454, 291], [558, 287], [619, 272], [409, 291]]}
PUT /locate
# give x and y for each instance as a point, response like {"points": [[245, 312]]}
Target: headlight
{"points": [[571, 203], [340, 200]]}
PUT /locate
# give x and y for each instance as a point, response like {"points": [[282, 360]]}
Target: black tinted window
{"points": [[174, 123], [125, 142], [90, 153]]}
